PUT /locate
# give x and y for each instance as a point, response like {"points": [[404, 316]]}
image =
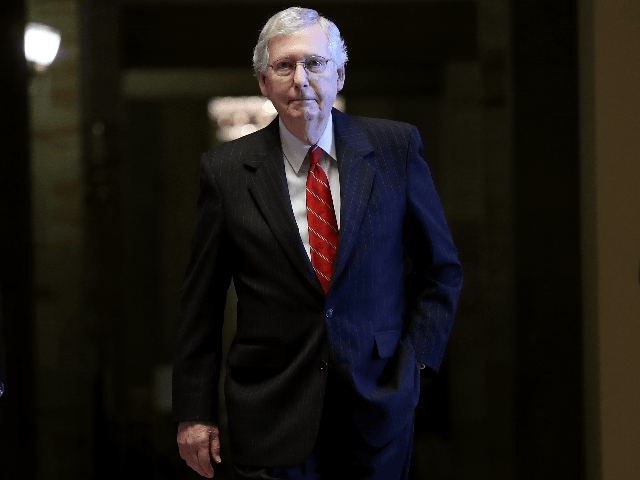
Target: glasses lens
{"points": [[316, 64], [283, 67]]}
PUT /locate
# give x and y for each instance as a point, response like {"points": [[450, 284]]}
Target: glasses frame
{"points": [[304, 65]]}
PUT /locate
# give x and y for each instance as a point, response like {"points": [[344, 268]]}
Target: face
{"points": [[302, 99]]}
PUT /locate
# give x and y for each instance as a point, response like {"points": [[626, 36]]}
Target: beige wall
{"points": [[611, 141]]}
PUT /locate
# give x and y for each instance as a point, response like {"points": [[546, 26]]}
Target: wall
{"points": [[611, 241], [63, 354]]}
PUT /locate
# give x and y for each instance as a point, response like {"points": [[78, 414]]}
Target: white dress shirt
{"points": [[296, 167]]}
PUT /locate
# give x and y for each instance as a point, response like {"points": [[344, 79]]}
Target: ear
{"points": [[341, 75], [263, 82]]}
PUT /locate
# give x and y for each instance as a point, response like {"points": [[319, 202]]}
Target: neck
{"points": [[308, 132]]}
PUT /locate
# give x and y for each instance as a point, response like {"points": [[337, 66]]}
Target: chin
{"points": [[308, 116]]}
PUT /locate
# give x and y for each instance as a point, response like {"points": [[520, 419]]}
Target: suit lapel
{"points": [[356, 181], [269, 190]]}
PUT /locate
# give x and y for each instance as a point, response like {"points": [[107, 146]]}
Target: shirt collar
{"points": [[295, 151]]}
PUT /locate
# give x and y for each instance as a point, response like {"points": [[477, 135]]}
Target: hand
{"points": [[196, 440]]}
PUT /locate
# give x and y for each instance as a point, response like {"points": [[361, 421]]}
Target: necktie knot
{"points": [[314, 155]]}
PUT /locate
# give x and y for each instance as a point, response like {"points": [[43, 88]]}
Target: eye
{"points": [[316, 64], [283, 64]]}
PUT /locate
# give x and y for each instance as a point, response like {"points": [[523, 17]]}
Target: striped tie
{"points": [[323, 227]]}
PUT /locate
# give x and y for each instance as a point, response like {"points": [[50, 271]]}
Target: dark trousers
{"points": [[340, 453]]}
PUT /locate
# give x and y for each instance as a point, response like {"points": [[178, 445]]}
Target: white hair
{"points": [[290, 21]]}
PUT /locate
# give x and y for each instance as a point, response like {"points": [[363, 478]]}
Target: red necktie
{"points": [[323, 227]]}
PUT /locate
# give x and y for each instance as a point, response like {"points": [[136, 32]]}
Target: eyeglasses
{"points": [[314, 64]]}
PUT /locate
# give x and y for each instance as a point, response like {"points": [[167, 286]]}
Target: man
{"points": [[323, 374]]}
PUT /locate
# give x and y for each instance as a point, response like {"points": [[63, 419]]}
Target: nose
{"points": [[300, 76]]}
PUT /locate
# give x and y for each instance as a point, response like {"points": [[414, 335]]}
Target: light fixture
{"points": [[41, 44]]}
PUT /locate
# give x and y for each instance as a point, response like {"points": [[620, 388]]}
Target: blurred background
{"points": [[528, 111]]}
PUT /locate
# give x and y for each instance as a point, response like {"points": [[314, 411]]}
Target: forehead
{"points": [[309, 41]]}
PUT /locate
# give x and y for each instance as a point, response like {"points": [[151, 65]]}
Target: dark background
{"points": [[96, 214]]}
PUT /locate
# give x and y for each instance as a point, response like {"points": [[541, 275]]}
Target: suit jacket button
{"points": [[329, 313], [323, 365]]}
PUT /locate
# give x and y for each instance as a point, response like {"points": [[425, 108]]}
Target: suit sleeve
{"points": [[196, 370], [435, 278]]}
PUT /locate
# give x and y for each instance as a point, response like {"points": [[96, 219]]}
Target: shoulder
{"points": [[240, 146], [372, 123], [235, 153], [377, 130]]}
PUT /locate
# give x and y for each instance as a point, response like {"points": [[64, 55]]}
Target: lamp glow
{"points": [[41, 44]]}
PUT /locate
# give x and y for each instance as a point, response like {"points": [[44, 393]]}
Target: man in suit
{"points": [[323, 375]]}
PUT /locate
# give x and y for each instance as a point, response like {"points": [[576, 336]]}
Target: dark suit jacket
{"points": [[372, 326]]}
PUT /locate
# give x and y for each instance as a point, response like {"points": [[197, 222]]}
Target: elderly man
{"points": [[312, 217]]}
